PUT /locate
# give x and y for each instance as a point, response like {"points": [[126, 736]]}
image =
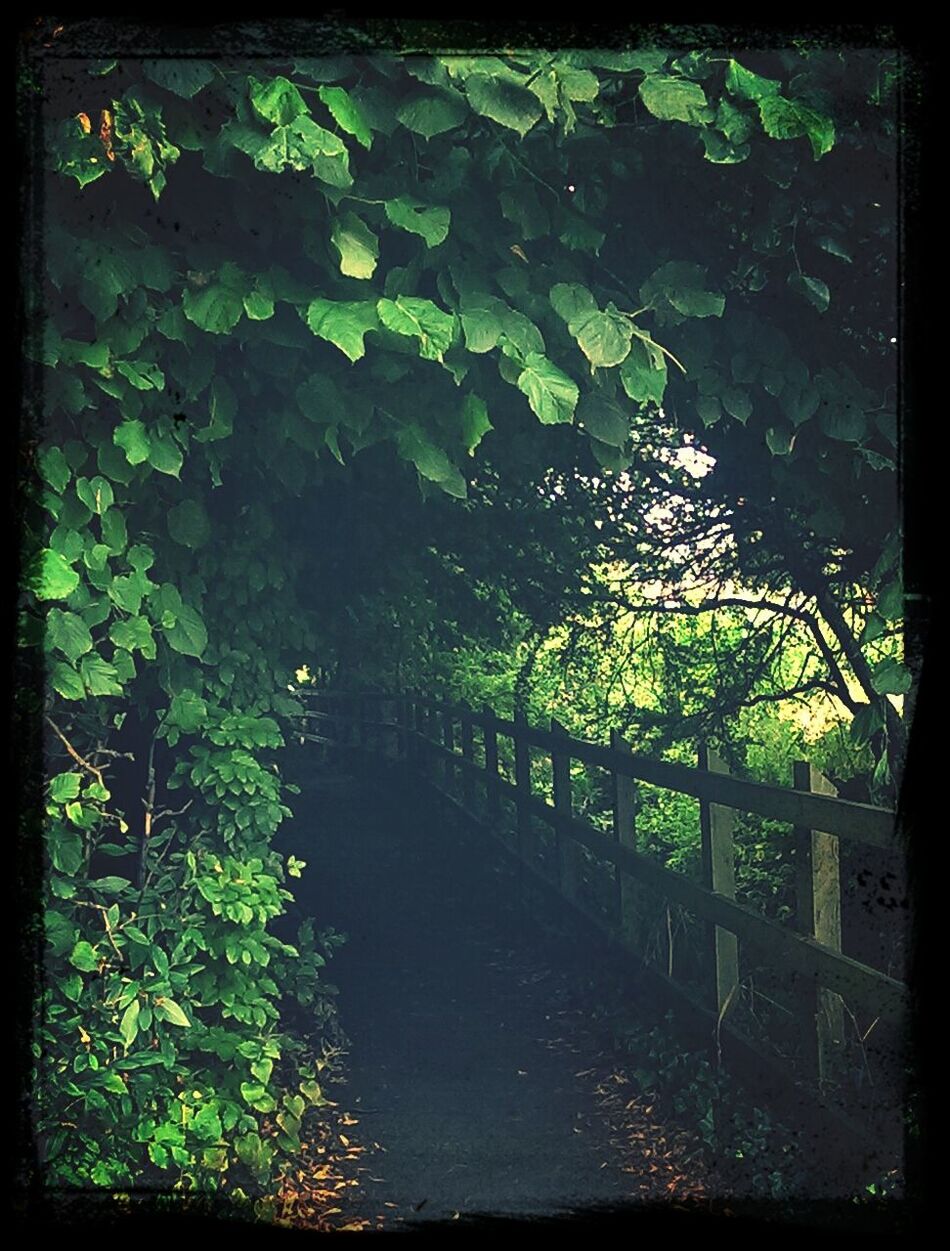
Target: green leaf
{"points": [[433, 114], [834, 247], [115, 534], [482, 317], [844, 422], [603, 418], [800, 403], [66, 681], [347, 113], [129, 1025], [420, 319], [68, 633], [222, 406], [572, 302], [737, 403], [188, 712], [49, 576], [96, 494], [66, 852], [683, 285], [207, 1124], [259, 307], [305, 145], [475, 423], [551, 393], [507, 103], [813, 289], [866, 722], [134, 633], [262, 1069], [110, 885], [277, 100], [748, 86], [165, 455], [134, 440], [96, 557], [63, 787], [890, 677], [54, 468], [215, 308], [188, 635], [674, 99], [643, 373], [343, 323], [188, 523], [736, 125], [84, 958], [183, 78], [421, 219], [779, 440], [99, 676], [431, 461], [357, 246], [890, 603], [128, 591], [168, 1010], [788, 119], [874, 627], [604, 338], [141, 557], [143, 375]]}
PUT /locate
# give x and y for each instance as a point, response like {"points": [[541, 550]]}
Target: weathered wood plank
{"points": [[522, 787], [861, 822], [467, 743], [568, 869], [805, 956], [624, 813], [492, 792], [818, 914], [719, 874]]}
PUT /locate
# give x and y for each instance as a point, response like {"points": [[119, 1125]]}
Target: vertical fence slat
{"points": [[624, 811], [468, 755], [448, 742], [523, 783], [818, 914], [492, 789], [567, 850], [719, 874]]}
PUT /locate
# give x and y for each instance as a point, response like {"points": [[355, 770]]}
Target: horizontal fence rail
{"points": [[439, 739]]}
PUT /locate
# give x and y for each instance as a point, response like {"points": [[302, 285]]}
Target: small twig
{"points": [[81, 903], [75, 754], [170, 812], [115, 755]]}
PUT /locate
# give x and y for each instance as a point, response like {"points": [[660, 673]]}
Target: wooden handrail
{"points": [[863, 823], [437, 737], [832, 969]]}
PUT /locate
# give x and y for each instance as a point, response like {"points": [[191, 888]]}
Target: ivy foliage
{"points": [[252, 274]]}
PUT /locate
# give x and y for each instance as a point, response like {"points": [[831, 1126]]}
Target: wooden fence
{"points": [[439, 740]]}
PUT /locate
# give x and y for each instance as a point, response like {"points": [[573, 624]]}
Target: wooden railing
{"points": [[439, 739]]}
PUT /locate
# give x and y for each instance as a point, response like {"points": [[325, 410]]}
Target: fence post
{"points": [[448, 742], [625, 832], [523, 783], [719, 874], [492, 789], [566, 847], [468, 755], [818, 914]]}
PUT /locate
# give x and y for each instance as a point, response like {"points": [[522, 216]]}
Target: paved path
{"points": [[451, 1067]]}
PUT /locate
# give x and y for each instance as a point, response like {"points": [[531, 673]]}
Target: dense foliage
{"points": [[291, 313]]}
